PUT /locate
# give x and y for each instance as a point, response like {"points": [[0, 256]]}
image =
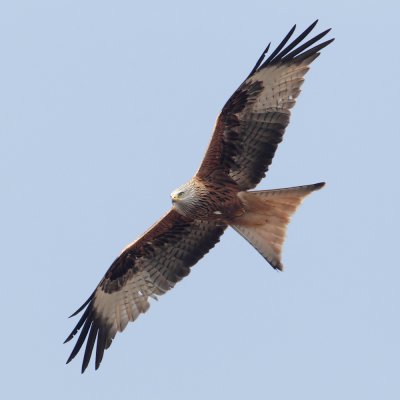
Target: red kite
{"points": [[246, 135]]}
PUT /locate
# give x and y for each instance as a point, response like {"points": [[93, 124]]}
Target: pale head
{"points": [[183, 192], [185, 197]]}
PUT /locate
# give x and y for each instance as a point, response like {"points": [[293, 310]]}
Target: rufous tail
{"points": [[267, 214]]}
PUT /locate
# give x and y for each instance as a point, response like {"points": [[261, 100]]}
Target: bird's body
{"points": [[246, 135], [211, 199]]}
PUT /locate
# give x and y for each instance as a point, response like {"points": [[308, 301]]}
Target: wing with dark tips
{"points": [[147, 268], [253, 121]]}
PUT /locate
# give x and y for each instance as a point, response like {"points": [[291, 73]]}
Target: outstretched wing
{"points": [[253, 121], [148, 267]]}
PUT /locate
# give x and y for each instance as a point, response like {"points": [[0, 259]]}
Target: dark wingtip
{"points": [[298, 54], [327, 42], [82, 321], [311, 27], [68, 339], [70, 358], [294, 52], [91, 339], [279, 47], [314, 51], [259, 61], [83, 305]]}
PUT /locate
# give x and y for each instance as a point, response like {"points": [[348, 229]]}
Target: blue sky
{"points": [[106, 107]]}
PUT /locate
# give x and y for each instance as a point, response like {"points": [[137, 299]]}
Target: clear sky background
{"points": [[105, 108]]}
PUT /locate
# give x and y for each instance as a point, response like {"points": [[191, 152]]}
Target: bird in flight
{"points": [[246, 135]]}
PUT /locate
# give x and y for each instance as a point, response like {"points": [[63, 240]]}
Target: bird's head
{"points": [[177, 195], [186, 198], [182, 193]]}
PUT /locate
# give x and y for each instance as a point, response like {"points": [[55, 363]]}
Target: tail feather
{"points": [[267, 214]]}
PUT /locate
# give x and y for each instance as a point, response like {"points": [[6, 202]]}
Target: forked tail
{"points": [[267, 213]]}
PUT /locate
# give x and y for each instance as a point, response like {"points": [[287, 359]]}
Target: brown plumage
{"points": [[246, 135]]}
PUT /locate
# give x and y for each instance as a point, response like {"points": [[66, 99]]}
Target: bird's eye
{"points": [[180, 194]]}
